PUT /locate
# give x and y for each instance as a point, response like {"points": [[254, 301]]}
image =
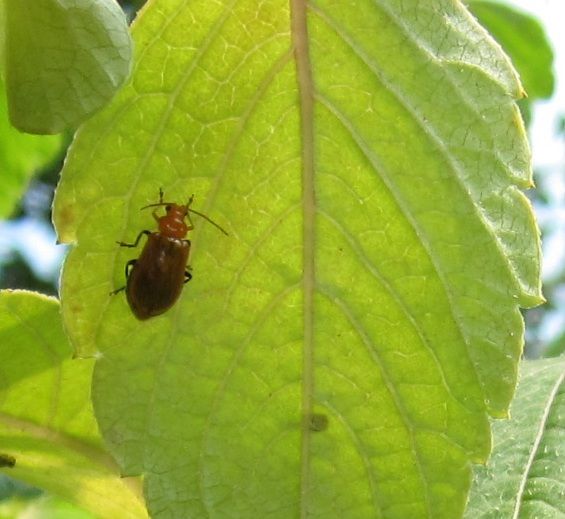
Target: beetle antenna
{"points": [[160, 204], [209, 220], [157, 205]]}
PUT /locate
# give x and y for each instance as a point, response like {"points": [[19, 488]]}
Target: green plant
{"points": [[339, 354]]}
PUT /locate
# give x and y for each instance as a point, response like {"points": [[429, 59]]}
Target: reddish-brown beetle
{"points": [[154, 281]]}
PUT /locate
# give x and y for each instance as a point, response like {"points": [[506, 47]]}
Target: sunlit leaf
{"points": [[46, 420], [49, 508], [338, 354]]}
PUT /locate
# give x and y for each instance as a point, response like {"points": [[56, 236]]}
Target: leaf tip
{"points": [[522, 94]]}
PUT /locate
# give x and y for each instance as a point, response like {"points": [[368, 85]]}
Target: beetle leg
{"points": [[134, 244], [154, 213], [190, 225], [129, 264], [187, 274], [189, 203]]}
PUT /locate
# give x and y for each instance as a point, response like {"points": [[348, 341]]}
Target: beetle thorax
{"points": [[172, 225]]}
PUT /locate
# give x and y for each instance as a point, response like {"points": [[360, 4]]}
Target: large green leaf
{"points": [[338, 354], [524, 476], [64, 60], [46, 421]]}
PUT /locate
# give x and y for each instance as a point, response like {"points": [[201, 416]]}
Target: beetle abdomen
{"points": [[156, 280]]}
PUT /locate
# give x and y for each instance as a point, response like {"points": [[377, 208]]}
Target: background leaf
{"points": [[524, 40], [339, 351], [20, 156], [557, 347], [64, 60], [524, 476], [46, 419], [522, 37]]}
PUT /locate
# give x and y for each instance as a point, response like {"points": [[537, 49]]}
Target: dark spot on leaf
{"points": [[318, 422], [7, 461], [67, 215]]}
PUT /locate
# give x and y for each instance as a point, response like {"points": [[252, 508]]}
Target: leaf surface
{"points": [[339, 352], [64, 60], [46, 421], [524, 476]]}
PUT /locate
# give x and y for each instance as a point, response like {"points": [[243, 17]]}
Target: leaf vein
{"points": [[388, 383]]}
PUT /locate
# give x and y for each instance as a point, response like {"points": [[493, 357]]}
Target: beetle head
{"points": [[173, 224]]}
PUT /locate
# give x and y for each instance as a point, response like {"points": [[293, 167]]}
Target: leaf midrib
{"points": [[42, 433], [299, 36], [535, 445]]}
